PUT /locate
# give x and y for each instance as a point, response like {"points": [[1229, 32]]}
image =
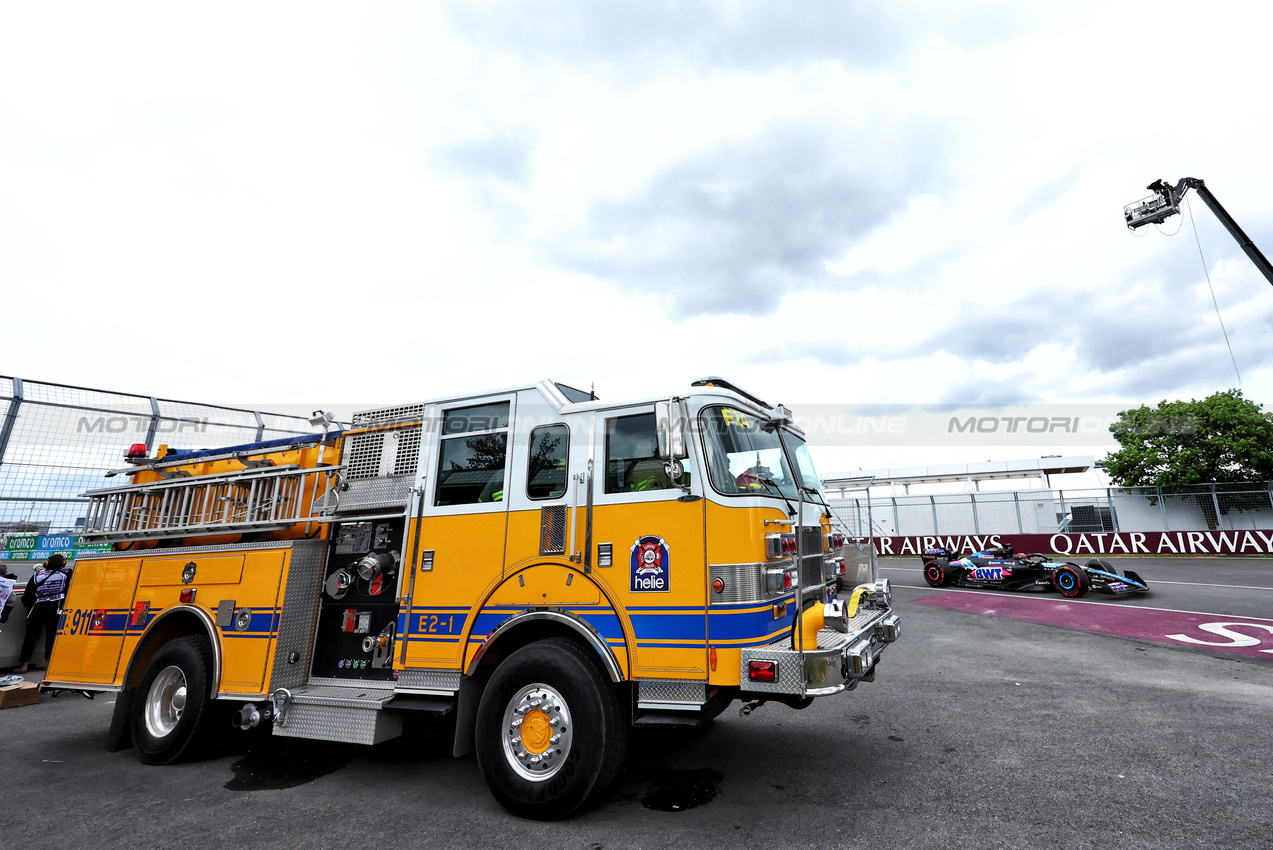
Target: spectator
{"points": [[8, 602], [43, 595]]}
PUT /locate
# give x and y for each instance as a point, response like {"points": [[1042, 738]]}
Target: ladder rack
{"points": [[262, 499]]}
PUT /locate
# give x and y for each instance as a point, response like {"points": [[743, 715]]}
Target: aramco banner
{"points": [[1253, 542]]}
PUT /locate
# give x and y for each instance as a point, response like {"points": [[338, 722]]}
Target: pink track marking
{"points": [[1240, 635]]}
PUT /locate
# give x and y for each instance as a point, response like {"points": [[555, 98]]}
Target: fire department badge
{"points": [[650, 566]]}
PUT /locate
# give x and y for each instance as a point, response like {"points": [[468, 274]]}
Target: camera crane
{"points": [[1165, 202]]}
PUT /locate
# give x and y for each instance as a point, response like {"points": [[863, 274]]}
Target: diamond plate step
{"points": [[353, 714]]}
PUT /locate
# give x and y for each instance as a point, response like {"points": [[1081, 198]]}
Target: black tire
{"points": [[937, 573], [1070, 581], [173, 713], [582, 759]]}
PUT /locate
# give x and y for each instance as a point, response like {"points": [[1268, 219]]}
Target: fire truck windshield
{"points": [[745, 455], [805, 471]]}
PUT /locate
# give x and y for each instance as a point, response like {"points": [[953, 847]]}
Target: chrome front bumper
{"points": [[840, 661]]}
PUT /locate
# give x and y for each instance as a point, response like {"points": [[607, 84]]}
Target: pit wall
{"points": [[1144, 543]]}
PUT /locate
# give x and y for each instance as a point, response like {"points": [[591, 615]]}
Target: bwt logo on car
{"points": [[139, 425]]}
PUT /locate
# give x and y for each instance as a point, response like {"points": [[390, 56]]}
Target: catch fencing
{"points": [[56, 441], [1201, 507]]}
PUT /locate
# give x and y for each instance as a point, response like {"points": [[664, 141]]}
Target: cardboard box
{"points": [[23, 693]]}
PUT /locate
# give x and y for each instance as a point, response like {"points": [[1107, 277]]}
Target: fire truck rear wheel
{"points": [[551, 735], [173, 715]]}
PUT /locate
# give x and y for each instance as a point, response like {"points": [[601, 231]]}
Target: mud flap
{"points": [[471, 688], [120, 736]]}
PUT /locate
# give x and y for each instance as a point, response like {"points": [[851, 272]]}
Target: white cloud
{"points": [[310, 203]]}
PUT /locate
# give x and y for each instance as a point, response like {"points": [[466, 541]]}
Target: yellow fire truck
{"points": [[548, 568]]}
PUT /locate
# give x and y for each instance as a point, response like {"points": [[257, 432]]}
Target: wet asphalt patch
{"points": [[679, 790], [276, 766]]}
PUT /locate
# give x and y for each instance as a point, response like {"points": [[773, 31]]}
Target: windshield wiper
{"points": [[769, 482], [815, 491]]}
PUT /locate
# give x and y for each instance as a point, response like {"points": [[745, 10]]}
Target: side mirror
{"points": [[670, 421]]}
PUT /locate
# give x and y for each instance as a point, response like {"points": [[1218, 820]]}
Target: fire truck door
{"points": [[96, 619], [647, 546], [462, 525]]}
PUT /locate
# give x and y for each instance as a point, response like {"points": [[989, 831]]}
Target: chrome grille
{"points": [[810, 557], [743, 583], [408, 452], [362, 455], [382, 454], [811, 540], [385, 415], [552, 530]]}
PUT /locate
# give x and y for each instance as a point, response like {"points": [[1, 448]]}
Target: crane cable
{"points": [[1214, 303]]}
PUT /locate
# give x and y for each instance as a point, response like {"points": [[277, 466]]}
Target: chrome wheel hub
{"points": [[165, 702], [537, 732]]}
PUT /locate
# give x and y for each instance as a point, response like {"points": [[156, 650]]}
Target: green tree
{"points": [[1223, 438]]}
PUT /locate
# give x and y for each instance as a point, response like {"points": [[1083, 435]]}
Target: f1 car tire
{"points": [[551, 734], [1070, 581], [173, 711], [937, 573]]}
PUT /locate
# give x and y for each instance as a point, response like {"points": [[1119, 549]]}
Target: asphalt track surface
{"points": [[982, 730]]}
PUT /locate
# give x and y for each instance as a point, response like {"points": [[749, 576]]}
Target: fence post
{"points": [[976, 525], [1216, 502], [1060, 494], [870, 527], [1162, 506], [10, 417], [1016, 503], [154, 424], [897, 522], [932, 500], [260, 433]]}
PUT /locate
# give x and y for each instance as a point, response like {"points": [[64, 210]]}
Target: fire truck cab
{"points": [[549, 568]]}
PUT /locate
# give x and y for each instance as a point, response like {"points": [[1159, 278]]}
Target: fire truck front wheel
{"points": [[550, 730], [173, 708]]}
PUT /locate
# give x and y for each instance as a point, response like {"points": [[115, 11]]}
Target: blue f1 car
{"points": [[1003, 569]]}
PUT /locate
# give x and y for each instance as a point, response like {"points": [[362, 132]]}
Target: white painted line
{"points": [[1156, 581], [1201, 584], [1001, 593]]}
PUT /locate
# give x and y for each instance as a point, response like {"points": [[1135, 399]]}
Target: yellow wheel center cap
{"points": [[537, 732]]}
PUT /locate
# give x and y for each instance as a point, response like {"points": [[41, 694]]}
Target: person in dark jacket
{"points": [[43, 595]]}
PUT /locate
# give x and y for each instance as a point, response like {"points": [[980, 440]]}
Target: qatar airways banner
{"points": [[1096, 543]]}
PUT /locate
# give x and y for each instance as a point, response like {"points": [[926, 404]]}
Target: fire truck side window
{"points": [[474, 448], [546, 472], [632, 455]]}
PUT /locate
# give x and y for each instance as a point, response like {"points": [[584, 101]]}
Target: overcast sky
{"points": [[826, 202]]}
